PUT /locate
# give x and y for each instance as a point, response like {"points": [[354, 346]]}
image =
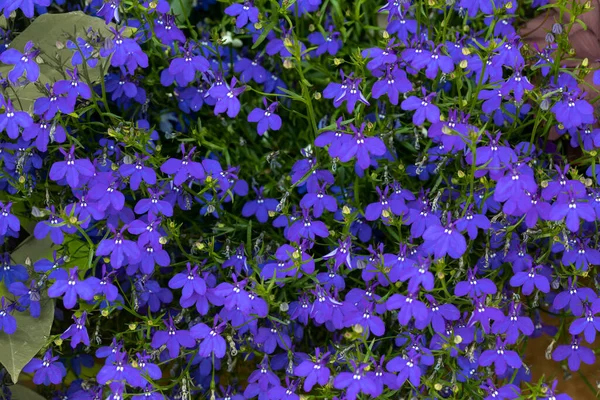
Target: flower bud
{"points": [[132, 326], [463, 64], [357, 328], [317, 95], [58, 341], [385, 35]]}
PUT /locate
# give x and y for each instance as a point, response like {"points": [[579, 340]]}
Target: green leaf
{"points": [[20, 392], [264, 34], [31, 335], [45, 31], [182, 9]]}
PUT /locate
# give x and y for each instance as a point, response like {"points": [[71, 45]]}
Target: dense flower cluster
{"points": [[332, 199]]}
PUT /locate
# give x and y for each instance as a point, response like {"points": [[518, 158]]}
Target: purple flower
{"points": [[71, 287], [573, 298], [82, 52], [575, 354], [227, 98], [250, 70], [433, 61], [572, 210], [513, 186], [11, 120], [506, 392], [314, 371], [441, 240], [173, 339], [355, 382], [10, 273], [267, 119], [410, 307], [184, 68], [122, 251], [28, 296], [529, 280], [424, 108], [307, 228], [484, 314], [513, 324], [362, 147], [348, 90], [126, 52], [211, 340], [110, 11], [385, 205], [408, 368], [319, 201], [8, 323], [190, 281], [573, 112], [589, 324], [392, 83], [438, 315], [260, 381], [71, 168], [500, 357], [23, 62], [154, 206], [327, 42], [48, 106], [73, 87], [42, 132], [517, 83], [77, 332], [138, 172], [260, 207], [183, 169], [47, 371], [119, 369], [244, 13]]}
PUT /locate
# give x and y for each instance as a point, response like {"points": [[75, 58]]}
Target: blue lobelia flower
{"points": [[110, 11], [10, 273], [8, 323], [24, 63], [392, 83], [119, 369], [122, 251], [71, 168], [506, 392], [29, 297], [574, 297], [73, 87], [408, 368], [501, 357], [355, 382], [47, 371], [71, 287], [211, 340], [589, 323], [267, 119], [12, 121], [424, 108], [184, 69], [361, 147], [326, 42], [173, 338], [575, 353], [314, 371], [260, 207], [183, 169], [227, 98], [530, 280], [244, 13], [77, 332], [514, 324], [441, 240]]}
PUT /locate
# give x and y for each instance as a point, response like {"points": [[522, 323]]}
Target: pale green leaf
{"points": [[20, 392], [31, 335], [45, 31]]}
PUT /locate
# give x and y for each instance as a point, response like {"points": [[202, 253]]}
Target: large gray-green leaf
{"points": [[182, 9], [20, 392], [45, 32], [18, 349]]}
